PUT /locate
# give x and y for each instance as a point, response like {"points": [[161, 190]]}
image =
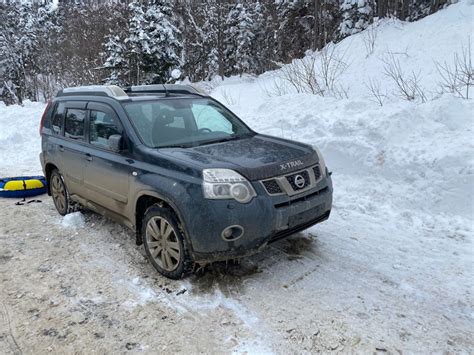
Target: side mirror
{"points": [[115, 142]]}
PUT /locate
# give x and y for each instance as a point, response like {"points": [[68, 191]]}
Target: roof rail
{"points": [[163, 89], [95, 90]]}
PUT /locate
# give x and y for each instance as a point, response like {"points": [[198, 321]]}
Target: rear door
{"points": [[71, 147], [53, 136], [106, 173]]}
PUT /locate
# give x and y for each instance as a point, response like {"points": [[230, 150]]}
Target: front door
{"points": [[106, 173]]}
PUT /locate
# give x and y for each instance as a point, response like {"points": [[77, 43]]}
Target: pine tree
{"points": [[137, 42], [116, 61], [163, 52], [8, 65], [210, 40], [47, 35], [192, 40], [356, 15], [18, 46], [258, 43], [239, 37]]}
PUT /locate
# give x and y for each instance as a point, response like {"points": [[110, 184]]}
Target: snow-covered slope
{"points": [[424, 150], [417, 46], [400, 235]]}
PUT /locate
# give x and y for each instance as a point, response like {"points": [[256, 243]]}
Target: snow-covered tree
{"points": [[47, 78], [18, 45], [258, 43], [45, 46], [138, 42], [239, 37], [163, 52], [152, 47], [116, 62], [211, 41], [356, 15]]}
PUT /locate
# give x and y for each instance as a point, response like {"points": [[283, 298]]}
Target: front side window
{"points": [[184, 122], [74, 123], [101, 126]]}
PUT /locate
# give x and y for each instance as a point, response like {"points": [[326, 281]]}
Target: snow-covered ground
{"points": [[390, 270]]}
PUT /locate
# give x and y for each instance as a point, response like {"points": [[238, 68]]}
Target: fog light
{"points": [[232, 233]]}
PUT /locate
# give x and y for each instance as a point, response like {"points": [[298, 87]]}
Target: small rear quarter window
{"points": [[56, 122]]}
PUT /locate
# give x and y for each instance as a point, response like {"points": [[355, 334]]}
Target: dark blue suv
{"points": [[192, 180]]}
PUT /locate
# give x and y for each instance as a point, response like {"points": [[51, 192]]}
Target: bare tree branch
{"points": [[458, 77], [408, 86]]}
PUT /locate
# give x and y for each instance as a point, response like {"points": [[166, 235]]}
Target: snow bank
{"points": [[401, 159], [20, 143], [426, 150]]}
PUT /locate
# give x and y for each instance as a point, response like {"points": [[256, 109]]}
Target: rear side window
{"points": [[101, 126], [57, 119], [74, 123]]}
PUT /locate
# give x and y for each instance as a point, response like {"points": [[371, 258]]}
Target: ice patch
{"points": [[73, 220], [143, 294]]}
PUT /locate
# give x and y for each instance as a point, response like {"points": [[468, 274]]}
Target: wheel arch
{"points": [[146, 199], [48, 169]]}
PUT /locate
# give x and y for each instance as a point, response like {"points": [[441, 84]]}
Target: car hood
{"points": [[256, 158]]}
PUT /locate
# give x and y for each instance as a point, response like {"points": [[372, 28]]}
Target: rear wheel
{"points": [[59, 192], [164, 243]]}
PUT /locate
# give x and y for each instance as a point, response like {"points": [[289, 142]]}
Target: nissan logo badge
{"points": [[299, 181]]}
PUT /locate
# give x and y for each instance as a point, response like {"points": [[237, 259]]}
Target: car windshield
{"points": [[178, 122]]}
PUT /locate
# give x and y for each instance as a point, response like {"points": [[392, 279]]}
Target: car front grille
{"points": [[317, 172], [294, 183], [303, 177], [272, 187]]}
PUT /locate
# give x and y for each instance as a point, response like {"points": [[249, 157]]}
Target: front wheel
{"points": [[59, 193], [164, 243]]}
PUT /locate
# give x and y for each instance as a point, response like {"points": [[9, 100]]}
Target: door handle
{"points": [[88, 157], [61, 148]]}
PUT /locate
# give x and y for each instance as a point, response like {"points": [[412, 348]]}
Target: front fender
{"points": [[173, 192]]}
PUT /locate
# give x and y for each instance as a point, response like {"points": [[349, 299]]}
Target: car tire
{"points": [[164, 242], [59, 192]]}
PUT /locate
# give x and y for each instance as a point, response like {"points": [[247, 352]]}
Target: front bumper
{"points": [[265, 219]]}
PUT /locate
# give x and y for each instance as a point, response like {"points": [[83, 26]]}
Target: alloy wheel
{"points": [[163, 243], [58, 192]]}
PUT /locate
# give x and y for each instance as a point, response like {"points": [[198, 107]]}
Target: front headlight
{"points": [[322, 163], [226, 184]]}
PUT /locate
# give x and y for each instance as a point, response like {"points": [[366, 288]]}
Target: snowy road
{"points": [[336, 287]]}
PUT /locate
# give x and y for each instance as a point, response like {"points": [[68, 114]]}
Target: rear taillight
{"points": [[44, 116]]}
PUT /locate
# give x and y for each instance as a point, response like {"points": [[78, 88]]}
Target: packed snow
{"points": [[73, 220], [392, 267]]}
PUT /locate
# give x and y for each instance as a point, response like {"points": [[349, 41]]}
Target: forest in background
{"points": [[45, 46]]}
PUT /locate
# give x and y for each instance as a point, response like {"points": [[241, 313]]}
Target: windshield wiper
{"points": [[224, 139], [174, 146], [209, 141]]}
